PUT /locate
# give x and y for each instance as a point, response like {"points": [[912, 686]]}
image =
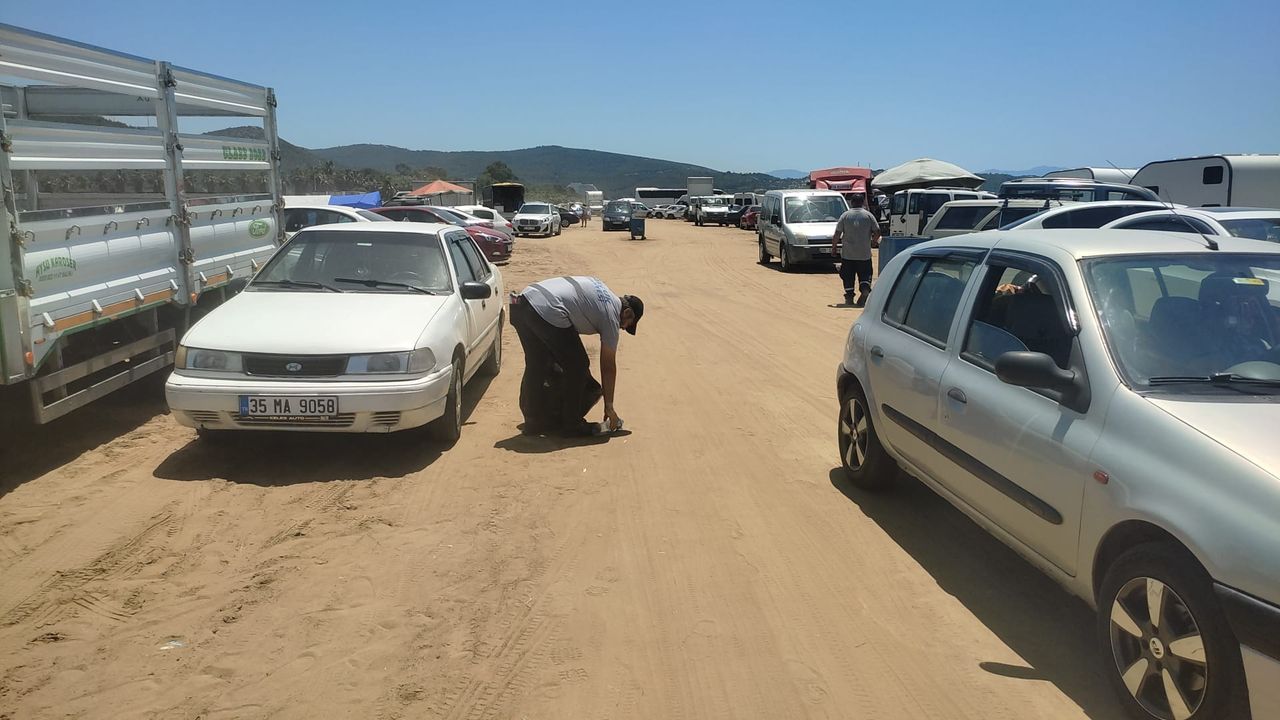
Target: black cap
{"points": [[637, 307]]}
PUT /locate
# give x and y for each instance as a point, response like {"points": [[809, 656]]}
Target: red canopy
{"points": [[439, 187]]}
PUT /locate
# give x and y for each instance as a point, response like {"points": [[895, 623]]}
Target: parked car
{"points": [[658, 211], [1101, 401], [713, 209], [1253, 223], [1076, 189], [750, 218], [676, 212], [965, 216], [797, 226], [485, 213], [495, 246], [568, 217], [357, 327], [468, 219], [304, 216], [734, 215], [537, 218], [617, 215], [1084, 216], [910, 210]]}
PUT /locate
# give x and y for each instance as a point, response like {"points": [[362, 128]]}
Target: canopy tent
{"points": [[365, 200], [924, 172], [440, 192]]}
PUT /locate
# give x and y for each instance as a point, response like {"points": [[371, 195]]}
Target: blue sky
{"points": [[742, 86]]}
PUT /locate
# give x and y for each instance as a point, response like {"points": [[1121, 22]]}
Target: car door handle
{"points": [[877, 351], [958, 395]]}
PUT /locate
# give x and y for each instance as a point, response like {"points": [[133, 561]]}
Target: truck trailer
{"points": [[96, 290]]}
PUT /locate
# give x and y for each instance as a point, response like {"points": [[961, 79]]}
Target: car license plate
{"points": [[287, 406]]}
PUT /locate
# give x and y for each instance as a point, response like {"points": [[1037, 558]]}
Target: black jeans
{"points": [[557, 389], [856, 275]]}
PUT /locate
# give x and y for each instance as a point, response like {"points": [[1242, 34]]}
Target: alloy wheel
{"points": [[1158, 649], [853, 434]]}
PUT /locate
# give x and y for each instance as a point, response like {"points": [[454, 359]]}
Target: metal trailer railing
{"points": [[66, 271]]}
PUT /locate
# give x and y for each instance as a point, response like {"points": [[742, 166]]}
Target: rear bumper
{"points": [[1256, 624], [380, 406]]}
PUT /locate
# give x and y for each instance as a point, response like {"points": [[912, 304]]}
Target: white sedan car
{"points": [[484, 213], [1255, 223], [297, 217], [359, 327], [1085, 215], [1105, 403]]}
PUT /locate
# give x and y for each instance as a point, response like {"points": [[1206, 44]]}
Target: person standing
{"points": [[860, 231], [550, 316], [586, 214]]}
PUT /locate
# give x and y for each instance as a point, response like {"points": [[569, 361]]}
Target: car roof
{"points": [[1081, 244], [1220, 213], [339, 208], [384, 227], [1105, 203], [800, 191], [1013, 202]]}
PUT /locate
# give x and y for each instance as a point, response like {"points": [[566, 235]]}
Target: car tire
{"points": [[864, 460], [448, 427], [493, 364], [1210, 688], [784, 258], [765, 258]]}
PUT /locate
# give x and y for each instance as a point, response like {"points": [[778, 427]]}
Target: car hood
{"points": [[814, 229], [715, 208], [1247, 429], [529, 216], [316, 323]]}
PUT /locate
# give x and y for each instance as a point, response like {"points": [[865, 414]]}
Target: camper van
{"points": [[911, 209], [1215, 180]]}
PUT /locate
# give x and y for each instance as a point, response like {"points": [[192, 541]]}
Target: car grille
{"points": [[340, 420], [295, 365], [205, 417], [386, 417]]}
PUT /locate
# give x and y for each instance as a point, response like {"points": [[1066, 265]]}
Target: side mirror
{"points": [[478, 291], [1032, 370]]}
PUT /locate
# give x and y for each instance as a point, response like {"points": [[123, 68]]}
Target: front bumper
{"points": [[380, 406], [1256, 625]]}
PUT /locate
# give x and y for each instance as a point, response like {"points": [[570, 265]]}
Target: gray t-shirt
{"points": [[856, 226], [582, 303]]}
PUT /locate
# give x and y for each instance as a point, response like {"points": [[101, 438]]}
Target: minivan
{"points": [[796, 226]]}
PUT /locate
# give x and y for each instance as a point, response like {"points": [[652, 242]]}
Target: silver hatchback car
{"points": [[1105, 402]]}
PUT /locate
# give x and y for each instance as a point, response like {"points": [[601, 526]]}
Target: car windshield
{"points": [[714, 201], [814, 208], [535, 209], [315, 260], [618, 207], [1208, 318], [1256, 228]]}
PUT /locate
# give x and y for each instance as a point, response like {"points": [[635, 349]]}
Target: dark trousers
{"points": [[856, 275], [557, 389]]}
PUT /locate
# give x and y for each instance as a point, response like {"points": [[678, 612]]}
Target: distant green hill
{"points": [[616, 174]]}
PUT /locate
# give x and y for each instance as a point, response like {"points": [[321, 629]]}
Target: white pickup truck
{"points": [[96, 289]]}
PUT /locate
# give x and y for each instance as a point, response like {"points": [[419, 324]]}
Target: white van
{"points": [[796, 226], [910, 210], [1215, 180]]}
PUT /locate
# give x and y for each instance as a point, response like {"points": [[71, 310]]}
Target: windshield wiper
{"points": [[1221, 379], [298, 283], [388, 283]]}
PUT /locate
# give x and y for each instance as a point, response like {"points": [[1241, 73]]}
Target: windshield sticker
{"points": [[258, 228], [1248, 281]]}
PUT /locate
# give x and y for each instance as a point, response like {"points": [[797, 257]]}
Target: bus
{"points": [[652, 196]]}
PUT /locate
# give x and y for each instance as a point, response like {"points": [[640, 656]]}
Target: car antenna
{"points": [[1210, 242]]}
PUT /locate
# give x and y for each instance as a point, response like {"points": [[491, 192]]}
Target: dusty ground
{"points": [[711, 564]]}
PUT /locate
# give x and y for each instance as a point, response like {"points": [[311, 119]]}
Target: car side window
{"points": [[479, 267], [460, 262], [913, 203], [926, 296], [1017, 309]]}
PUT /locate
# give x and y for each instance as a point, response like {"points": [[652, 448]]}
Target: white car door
{"points": [[1024, 452], [910, 349], [458, 243], [484, 313]]}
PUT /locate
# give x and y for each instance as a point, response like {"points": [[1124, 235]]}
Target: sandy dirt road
{"points": [[710, 564]]}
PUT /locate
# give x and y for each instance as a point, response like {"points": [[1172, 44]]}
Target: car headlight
{"points": [[417, 361], [201, 359]]}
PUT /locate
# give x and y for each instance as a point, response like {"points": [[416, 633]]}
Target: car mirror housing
{"points": [[1033, 370], [476, 291]]}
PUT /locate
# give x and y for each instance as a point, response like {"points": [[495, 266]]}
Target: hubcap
{"points": [[1158, 649], [853, 434]]}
